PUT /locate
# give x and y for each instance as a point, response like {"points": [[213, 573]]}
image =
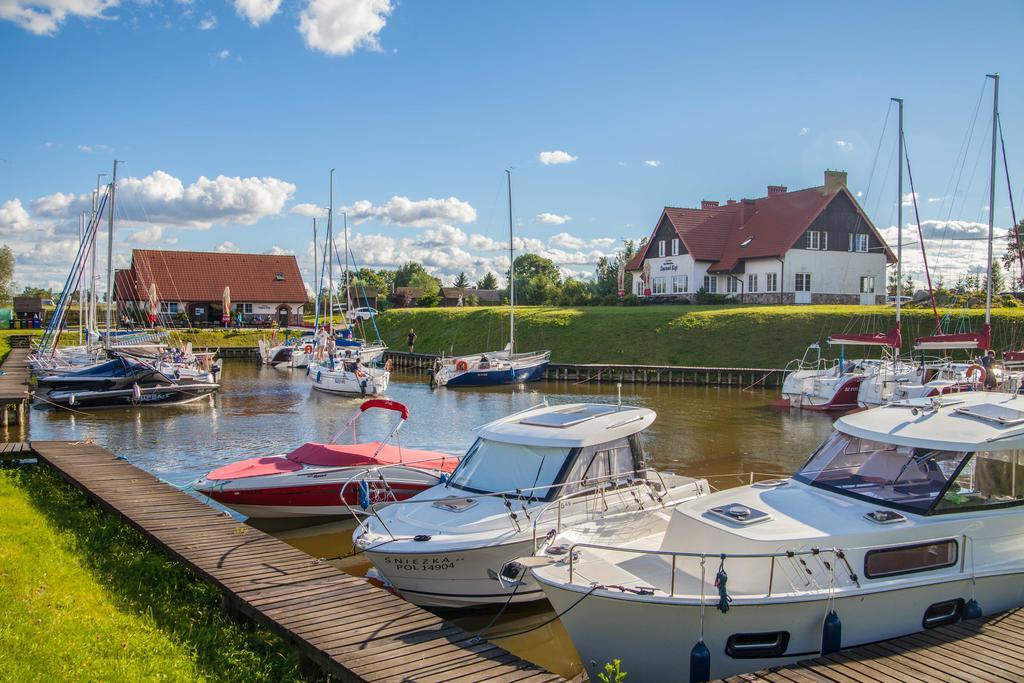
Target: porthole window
{"points": [[908, 559]]}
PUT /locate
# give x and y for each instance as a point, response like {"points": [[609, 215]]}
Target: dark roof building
{"points": [[815, 244], [404, 297]]}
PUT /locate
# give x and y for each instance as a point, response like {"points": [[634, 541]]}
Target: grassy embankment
{"points": [[84, 597], [714, 336]]}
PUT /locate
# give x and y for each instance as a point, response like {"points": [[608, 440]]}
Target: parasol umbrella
{"points": [[226, 315], [153, 302]]}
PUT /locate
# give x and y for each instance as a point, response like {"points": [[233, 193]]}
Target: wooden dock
{"points": [[988, 649], [347, 627], [14, 391]]}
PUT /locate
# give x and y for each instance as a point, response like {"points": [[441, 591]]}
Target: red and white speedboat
{"points": [[329, 478]]}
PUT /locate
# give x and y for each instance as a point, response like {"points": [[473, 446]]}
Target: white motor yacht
{"points": [[349, 377], [528, 477], [906, 518]]}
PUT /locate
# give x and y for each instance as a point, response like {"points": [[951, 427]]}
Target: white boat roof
{"points": [[571, 425], [968, 421]]}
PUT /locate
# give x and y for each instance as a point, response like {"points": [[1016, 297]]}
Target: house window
{"points": [[860, 243], [279, 276], [867, 284], [675, 246], [658, 285], [732, 284], [752, 283], [638, 286], [803, 282], [771, 282], [661, 247], [680, 284], [711, 283], [168, 306], [244, 308], [817, 239]]}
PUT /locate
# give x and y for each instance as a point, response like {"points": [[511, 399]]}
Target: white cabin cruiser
{"points": [[899, 380], [349, 377], [527, 477], [907, 517]]}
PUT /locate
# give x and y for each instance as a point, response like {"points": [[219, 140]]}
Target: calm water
{"points": [[264, 411]]}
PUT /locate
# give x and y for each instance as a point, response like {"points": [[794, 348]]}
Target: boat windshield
{"points": [[494, 466], [897, 476]]}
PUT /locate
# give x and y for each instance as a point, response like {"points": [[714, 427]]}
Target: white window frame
{"points": [[752, 283], [169, 307], [245, 309], [860, 243], [675, 246], [732, 284], [802, 282], [658, 285], [680, 284], [817, 240], [661, 248], [771, 282], [711, 284], [867, 280]]}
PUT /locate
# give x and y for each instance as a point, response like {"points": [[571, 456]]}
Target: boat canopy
{"points": [[963, 340], [362, 455], [891, 338]]}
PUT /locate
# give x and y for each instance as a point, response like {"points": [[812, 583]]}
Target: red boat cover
{"points": [[967, 340], [361, 455], [254, 467], [1013, 356], [891, 338]]}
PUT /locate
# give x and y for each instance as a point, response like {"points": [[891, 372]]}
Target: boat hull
{"points": [[843, 397], [485, 378], [301, 500]]}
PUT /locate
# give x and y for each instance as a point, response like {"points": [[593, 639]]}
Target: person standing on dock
{"points": [[411, 338]]}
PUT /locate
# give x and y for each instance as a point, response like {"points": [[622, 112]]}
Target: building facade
{"points": [[190, 287], [808, 246]]}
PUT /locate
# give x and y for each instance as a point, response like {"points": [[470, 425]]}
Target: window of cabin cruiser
{"points": [[605, 465], [901, 477], [495, 467], [989, 479]]}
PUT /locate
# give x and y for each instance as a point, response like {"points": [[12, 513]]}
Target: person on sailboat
{"points": [[411, 338], [331, 348], [988, 361], [321, 343]]}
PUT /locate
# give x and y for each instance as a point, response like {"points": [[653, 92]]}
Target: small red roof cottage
{"points": [[262, 287], [808, 246]]}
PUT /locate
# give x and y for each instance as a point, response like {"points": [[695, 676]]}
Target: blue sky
{"points": [[229, 115]]}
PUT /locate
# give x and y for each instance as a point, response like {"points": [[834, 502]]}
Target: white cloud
{"points": [[227, 248], [908, 198], [14, 219], [564, 239], [419, 213], [932, 200], [340, 27], [551, 218], [44, 17], [556, 157], [484, 243], [279, 251], [652, 162], [150, 235], [208, 23], [603, 241], [804, 131], [441, 236], [223, 54], [308, 210], [844, 145], [257, 12]]}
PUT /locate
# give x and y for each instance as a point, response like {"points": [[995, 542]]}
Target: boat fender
{"points": [[136, 392], [972, 610], [362, 388], [442, 478], [831, 634], [462, 366], [721, 578], [700, 663], [976, 369], [318, 377], [364, 494], [72, 400]]}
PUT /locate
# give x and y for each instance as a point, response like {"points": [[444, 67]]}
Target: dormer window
{"points": [[279, 277]]}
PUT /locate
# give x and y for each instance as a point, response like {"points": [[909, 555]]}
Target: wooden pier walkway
{"points": [[14, 391], [349, 628], [989, 649]]}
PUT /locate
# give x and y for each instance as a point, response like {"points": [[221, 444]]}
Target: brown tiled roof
{"points": [[773, 224], [201, 276]]}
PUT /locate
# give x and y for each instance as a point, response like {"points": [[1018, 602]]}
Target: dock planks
{"points": [[346, 626], [987, 649]]}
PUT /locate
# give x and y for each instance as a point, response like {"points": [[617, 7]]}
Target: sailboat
{"points": [[495, 367]]}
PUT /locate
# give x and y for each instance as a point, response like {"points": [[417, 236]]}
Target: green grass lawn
{"points": [[84, 597]]}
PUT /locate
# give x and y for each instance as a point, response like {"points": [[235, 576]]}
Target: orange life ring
{"points": [[975, 369], [308, 349], [462, 366], [360, 374]]}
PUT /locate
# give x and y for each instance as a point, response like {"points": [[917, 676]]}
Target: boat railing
{"points": [[362, 472], [817, 574]]}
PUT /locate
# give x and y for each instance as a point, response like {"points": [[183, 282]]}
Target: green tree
{"points": [[1011, 259], [537, 280], [488, 281], [413, 274], [998, 280], [6, 273], [430, 299], [462, 281], [607, 276]]}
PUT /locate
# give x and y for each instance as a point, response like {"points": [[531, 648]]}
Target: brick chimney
{"points": [[777, 189], [834, 180], [747, 209], [708, 204], [730, 201]]}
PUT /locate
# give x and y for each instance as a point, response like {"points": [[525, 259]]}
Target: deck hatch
{"points": [[991, 412], [560, 419]]}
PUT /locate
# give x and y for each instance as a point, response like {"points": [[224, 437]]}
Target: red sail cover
{"points": [[891, 338], [963, 340], [1014, 356]]}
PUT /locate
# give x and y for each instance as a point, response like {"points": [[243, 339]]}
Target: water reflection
{"points": [[264, 411]]}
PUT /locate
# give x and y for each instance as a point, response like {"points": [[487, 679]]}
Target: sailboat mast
{"points": [[316, 288], [110, 249], [511, 273], [899, 214], [330, 259], [81, 240], [93, 273], [348, 297], [992, 198]]}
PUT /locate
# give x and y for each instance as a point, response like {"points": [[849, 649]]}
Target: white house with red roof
{"points": [[263, 287], [807, 246]]}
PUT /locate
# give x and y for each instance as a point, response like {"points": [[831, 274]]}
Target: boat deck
{"points": [[988, 649], [347, 627]]}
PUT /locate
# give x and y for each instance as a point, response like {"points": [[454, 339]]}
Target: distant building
{"points": [[807, 246], [363, 296], [405, 297], [27, 310], [451, 296], [264, 288]]}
